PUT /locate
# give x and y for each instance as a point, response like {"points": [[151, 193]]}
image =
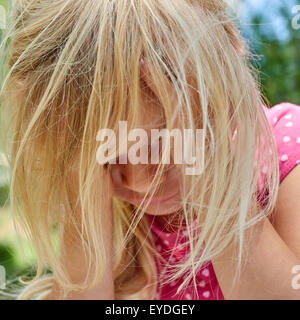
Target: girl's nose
{"points": [[136, 178]]}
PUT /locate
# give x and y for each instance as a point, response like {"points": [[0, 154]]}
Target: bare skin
{"points": [[275, 248], [274, 252], [73, 258]]}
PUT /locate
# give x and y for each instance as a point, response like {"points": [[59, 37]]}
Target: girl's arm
{"points": [[73, 258], [274, 252]]}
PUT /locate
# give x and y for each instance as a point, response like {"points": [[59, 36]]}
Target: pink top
{"points": [[285, 122]]}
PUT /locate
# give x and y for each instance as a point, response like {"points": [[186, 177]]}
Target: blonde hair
{"points": [[72, 67]]}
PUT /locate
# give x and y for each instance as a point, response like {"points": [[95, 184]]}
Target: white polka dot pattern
{"points": [[205, 272], [285, 123], [188, 296]]}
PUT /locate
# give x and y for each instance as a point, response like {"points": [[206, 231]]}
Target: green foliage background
{"points": [[280, 74], [280, 59]]}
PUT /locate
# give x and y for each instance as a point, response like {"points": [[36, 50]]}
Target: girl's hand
{"points": [[73, 256]]}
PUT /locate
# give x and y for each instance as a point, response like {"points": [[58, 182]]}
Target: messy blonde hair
{"points": [[71, 67]]}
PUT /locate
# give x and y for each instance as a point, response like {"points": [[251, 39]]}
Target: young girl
{"points": [[147, 230]]}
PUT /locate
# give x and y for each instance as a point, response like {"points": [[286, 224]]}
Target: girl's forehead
{"points": [[151, 112]]}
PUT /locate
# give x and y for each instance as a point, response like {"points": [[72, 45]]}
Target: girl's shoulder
{"points": [[284, 119]]}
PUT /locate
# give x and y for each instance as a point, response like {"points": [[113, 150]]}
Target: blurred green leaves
{"points": [[280, 59]]}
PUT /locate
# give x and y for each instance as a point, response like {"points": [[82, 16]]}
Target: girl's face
{"points": [[132, 182]]}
